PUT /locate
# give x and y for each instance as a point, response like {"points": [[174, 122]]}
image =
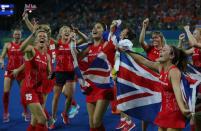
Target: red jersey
{"points": [[64, 59], [94, 51], [109, 50], [15, 56], [35, 71], [153, 53], [170, 115], [197, 57]]}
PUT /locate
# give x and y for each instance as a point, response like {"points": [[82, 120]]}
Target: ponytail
{"points": [[180, 58]]}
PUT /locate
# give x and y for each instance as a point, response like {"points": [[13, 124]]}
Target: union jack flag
{"points": [[96, 73], [30, 7], [139, 89]]}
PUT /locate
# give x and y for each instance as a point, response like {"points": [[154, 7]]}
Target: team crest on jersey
{"points": [[52, 47], [38, 57]]}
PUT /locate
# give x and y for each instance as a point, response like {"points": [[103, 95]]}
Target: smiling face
{"points": [[166, 54], [97, 31], [124, 34], [41, 39], [157, 40], [65, 32], [113, 25], [197, 34], [17, 34]]}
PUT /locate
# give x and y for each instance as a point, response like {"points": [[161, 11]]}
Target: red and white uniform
{"points": [[64, 59], [15, 60], [197, 62], [35, 72], [100, 93], [197, 57], [49, 84], [51, 50], [153, 53], [170, 115]]}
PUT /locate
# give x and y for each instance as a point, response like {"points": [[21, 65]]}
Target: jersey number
{"points": [[28, 97]]}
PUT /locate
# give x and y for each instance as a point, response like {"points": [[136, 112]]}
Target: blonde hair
{"points": [[60, 31], [160, 34], [46, 28], [199, 29]]}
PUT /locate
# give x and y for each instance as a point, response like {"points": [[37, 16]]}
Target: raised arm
{"points": [[189, 51], [27, 21], [141, 60], [142, 35], [181, 40], [30, 25], [191, 38], [180, 45], [83, 37], [175, 78], [26, 42], [114, 25]]}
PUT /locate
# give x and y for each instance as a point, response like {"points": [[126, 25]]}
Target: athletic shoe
{"points": [[27, 116], [51, 123], [6, 117], [121, 124], [129, 126], [65, 118], [73, 111]]}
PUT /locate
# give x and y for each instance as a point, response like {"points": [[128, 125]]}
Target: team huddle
{"points": [[41, 64]]}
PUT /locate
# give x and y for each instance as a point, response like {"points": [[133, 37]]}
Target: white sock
{"points": [[128, 121], [123, 118]]}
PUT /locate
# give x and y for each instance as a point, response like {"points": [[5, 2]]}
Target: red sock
{"points": [[41, 127], [5, 101], [192, 127], [92, 129], [74, 103], [101, 128], [25, 108], [47, 114], [31, 128]]}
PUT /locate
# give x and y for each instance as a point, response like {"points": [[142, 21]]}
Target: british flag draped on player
{"points": [[98, 72], [139, 89], [100, 68]]}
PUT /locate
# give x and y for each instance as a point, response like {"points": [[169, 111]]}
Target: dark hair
{"points": [[180, 58], [103, 25], [131, 35]]}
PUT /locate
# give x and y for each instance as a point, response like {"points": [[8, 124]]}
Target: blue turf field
{"points": [[79, 123]]}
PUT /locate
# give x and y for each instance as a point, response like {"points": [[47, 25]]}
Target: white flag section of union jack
{"points": [[139, 89]]}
